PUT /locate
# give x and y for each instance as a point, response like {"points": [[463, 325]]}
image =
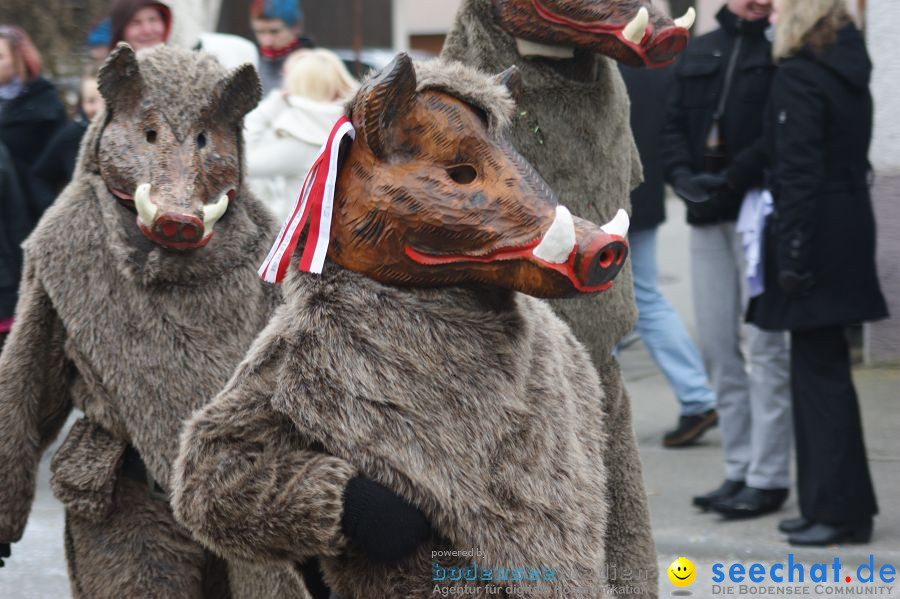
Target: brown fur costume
{"points": [[572, 125], [475, 404], [137, 337]]}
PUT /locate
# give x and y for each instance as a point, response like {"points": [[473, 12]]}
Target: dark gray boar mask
{"points": [[170, 148]]}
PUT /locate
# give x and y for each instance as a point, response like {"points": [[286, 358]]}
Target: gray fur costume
{"points": [[572, 124], [475, 404], [136, 337]]}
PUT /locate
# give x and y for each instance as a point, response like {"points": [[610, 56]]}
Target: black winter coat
{"points": [[56, 164], [820, 125], [694, 98], [27, 123], [647, 90], [15, 224]]}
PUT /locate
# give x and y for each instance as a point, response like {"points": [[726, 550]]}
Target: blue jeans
{"points": [[663, 333]]}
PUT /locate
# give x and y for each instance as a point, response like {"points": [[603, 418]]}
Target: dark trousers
{"points": [[834, 484]]}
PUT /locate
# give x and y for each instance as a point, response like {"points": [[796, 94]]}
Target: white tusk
{"points": [[145, 208], [559, 240], [618, 225], [634, 31], [527, 48], [213, 212], [688, 19]]}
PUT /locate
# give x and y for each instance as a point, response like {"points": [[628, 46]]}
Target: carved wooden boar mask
{"points": [[430, 193], [170, 149], [633, 32]]}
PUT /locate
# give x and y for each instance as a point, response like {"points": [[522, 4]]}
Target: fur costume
{"points": [[474, 403], [572, 124], [134, 335]]}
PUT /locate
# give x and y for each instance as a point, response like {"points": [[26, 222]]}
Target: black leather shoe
{"points": [[820, 535], [750, 502], [794, 524], [726, 489], [690, 428]]}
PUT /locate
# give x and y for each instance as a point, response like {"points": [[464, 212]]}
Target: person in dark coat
{"points": [[30, 112], [658, 324], [820, 272], [56, 163], [15, 224], [712, 156]]}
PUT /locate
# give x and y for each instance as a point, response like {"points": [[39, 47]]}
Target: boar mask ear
{"points": [[511, 78], [237, 94], [384, 97], [119, 80]]}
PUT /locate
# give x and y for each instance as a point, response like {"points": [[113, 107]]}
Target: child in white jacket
{"points": [[285, 132]]}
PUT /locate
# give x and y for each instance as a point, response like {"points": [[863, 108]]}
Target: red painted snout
{"points": [[601, 260], [176, 230]]}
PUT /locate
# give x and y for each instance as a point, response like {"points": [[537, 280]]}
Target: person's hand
{"points": [[796, 284], [380, 522], [5, 551], [684, 185], [711, 183]]}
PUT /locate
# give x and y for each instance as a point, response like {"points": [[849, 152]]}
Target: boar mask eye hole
{"points": [[201, 141], [462, 173], [150, 135]]}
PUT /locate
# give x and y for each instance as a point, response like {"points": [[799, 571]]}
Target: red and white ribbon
{"points": [[314, 203]]}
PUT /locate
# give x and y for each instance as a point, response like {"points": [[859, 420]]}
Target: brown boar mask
{"points": [[430, 194], [633, 32], [176, 170]]}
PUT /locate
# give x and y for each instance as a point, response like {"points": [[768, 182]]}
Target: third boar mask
{"points": [[430, 193], [633, 32]]}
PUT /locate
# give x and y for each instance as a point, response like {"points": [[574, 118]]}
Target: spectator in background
{"points": [[820, 272], [285, 132], [710, 151], [15, 224], [140, 23], [57, 162], [30, 113], [278, 27], [659, 325], [98, 40]]}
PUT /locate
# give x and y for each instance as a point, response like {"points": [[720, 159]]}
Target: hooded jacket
{"points": [[122, 11], [819, 127]]}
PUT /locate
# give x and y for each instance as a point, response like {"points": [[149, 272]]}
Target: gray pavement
{"points": [[37, 568]]}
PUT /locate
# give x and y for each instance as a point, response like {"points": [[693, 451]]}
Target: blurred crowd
{"points": [[762, 127]]}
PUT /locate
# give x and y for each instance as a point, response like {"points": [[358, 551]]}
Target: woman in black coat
{"points": [[820, 270], [30, 112]]}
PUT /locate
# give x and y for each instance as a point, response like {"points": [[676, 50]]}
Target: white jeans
{"points": [[755, 408]]}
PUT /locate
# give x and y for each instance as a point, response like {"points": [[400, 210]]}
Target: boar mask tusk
{"points": [[145, 208], [213, 212], [634, 31], [527, 48], [618, 225], [559, 240], [687, 20]]}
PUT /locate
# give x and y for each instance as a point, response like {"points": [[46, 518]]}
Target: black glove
{"points": [[380, 522], [697, 188], [5, 551], [796, 284]]}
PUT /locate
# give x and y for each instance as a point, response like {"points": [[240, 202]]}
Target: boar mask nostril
{"points": [[150, 136], [201, 141], [463, 173]]}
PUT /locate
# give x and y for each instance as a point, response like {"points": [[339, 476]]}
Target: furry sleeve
{"points": [[246, 484], [34, 400], [629, 543]]}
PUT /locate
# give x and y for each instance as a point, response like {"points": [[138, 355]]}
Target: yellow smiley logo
{"points": [[682, 572]]}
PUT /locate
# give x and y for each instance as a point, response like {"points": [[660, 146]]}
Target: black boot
{"points": [[726, 489], [794, 524], [750, 503], [820, 535]]}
